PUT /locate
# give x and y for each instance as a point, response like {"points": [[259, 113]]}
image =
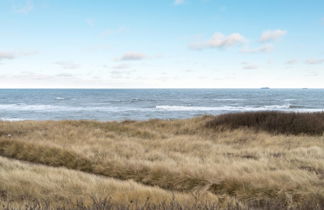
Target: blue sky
{"points": [[161, 44]]}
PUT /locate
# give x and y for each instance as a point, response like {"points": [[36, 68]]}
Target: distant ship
{"points": [[265, 88]]}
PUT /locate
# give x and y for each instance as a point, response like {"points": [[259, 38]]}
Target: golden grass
{"points": [[170, 156], [21, 182]]}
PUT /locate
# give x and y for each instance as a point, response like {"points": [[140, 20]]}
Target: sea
{"points": [[143, 104]]}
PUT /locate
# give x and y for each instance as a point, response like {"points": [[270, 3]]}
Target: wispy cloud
{"points": [[120, 74], [67, 65], [249, 66], [109, 32], [13, 55], [132, 56], [272, 35], [177, 2], [27, 53], [28, 75], [121, 66], [219, 40], [314, 61], [24, 9], [64, 75], [97, 48], [312, 74], [90, 21], [7, 55], [262, 49], [292, 61]]}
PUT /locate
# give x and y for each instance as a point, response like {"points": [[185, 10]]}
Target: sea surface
{"points": [[142, 104]]}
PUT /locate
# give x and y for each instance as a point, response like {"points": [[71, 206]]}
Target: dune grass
{"points": [[41, 186], [232, 167]]}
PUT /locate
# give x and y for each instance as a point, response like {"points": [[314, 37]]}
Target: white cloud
{"points": [[220, 40], [292, 61], [272, 35], [177, 2], [262, 49], [315, 61], [67, 65], [132, 56], [26, 8]]}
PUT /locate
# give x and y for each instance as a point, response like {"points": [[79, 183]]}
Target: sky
{"points": [[161, 44]]}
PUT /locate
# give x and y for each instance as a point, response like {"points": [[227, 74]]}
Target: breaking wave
{"points": [[285, 107], [27, 109], [55, 108], [10, 119]]}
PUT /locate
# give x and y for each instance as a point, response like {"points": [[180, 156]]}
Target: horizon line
{"points": [[121, 88]]}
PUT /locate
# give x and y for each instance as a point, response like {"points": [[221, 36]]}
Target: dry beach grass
{"points": [[210, 162]]}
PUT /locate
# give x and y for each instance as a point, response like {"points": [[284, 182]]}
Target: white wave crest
{"points": [[55, 108], [229, 99], [160, 108], [191, 108], [11, 119], [285, 107]]}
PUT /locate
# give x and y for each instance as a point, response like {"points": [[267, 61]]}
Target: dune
{"points": [[237, 161]]}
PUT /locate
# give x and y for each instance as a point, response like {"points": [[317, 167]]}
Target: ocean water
{"points": [[142, 104]]}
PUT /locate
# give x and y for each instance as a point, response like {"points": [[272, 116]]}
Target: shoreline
{"points": [[5, 119]]}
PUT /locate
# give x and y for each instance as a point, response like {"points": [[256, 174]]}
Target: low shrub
{"points": [[273, 122]]}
